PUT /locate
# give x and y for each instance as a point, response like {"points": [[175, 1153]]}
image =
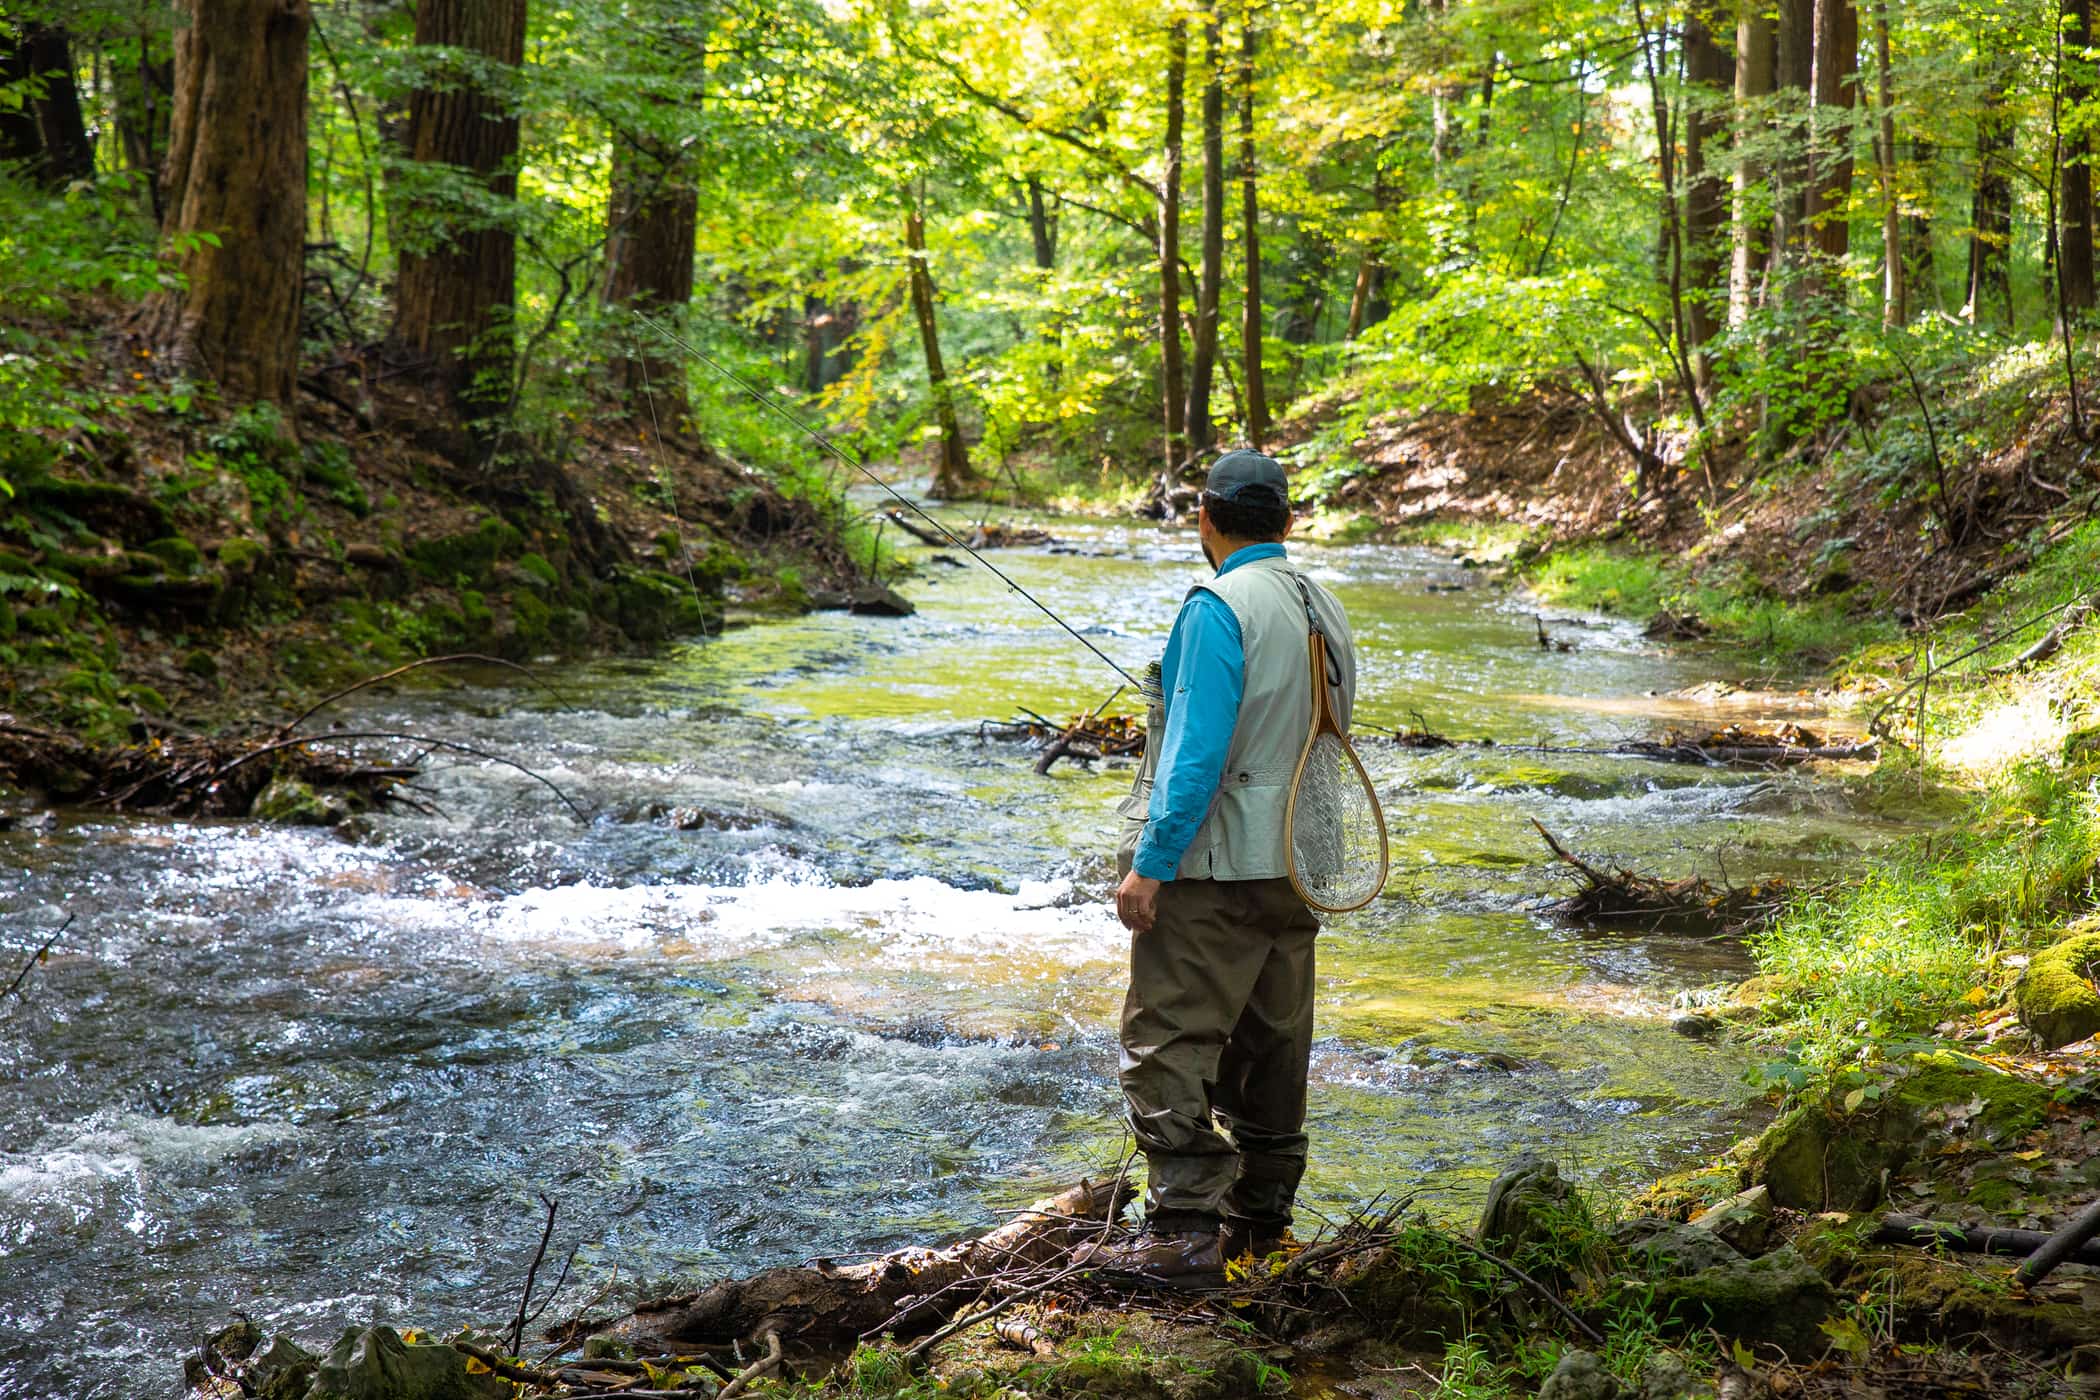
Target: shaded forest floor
{"points": [[168, 564]]}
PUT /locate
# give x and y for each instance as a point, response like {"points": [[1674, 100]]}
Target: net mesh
{"points": [[1338, 857]]}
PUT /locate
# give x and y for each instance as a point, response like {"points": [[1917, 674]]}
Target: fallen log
{"points": [[1691, 905], [824, 1306], [1975, 1239], [986, 534], [1732, 747]]}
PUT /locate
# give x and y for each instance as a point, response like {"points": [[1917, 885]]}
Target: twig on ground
{"points": [[506, 1368]]}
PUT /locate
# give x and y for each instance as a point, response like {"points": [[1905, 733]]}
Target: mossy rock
{"points": [[117, 512], [290, 802], [1421, 1290], [536, 568], [1820, 1157], [468, 557], [2056, 997], [649, 607], [1534, 1219], [1935, 1298], [241, 556], [177, 555], [1779, 1298], [377, 1364]]}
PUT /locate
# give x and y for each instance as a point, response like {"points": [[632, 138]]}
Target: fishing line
{"points": [[780, 411]]}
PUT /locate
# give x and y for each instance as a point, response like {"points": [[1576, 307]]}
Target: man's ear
{"points": [[1290, 522]]}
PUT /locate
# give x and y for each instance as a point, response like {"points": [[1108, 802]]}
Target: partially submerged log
{"points": [[825, 1307], [985, 534], [1086, 737], [1690, 905], [1737, 747]]}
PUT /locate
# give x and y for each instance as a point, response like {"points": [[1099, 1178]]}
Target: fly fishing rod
{"points": [[788, 416]]}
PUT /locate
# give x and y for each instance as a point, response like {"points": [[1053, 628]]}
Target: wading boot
{"points": [[1181, 1260]]}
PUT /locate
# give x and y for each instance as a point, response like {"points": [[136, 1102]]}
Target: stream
{"points": [[867, 997]]}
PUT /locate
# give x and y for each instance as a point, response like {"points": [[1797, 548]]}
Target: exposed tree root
{"points": [[1690, 905]]}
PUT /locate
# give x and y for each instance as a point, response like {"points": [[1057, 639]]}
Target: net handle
{"points": [[1323, 722]]}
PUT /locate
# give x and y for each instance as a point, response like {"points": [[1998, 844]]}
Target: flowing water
{"points": [[868, 997]]}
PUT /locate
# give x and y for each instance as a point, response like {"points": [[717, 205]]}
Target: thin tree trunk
{"points": [[1360, 296], [144, 98], [1202, 432], [1042, 229], [1792, 175], [455, 297], [1754, 59], [1921, 282], [1252, 322], [952, 476], [1990, 217], [2076, 230], [1709, 75], [236, 171], [1672, 243], [1172, 387], [1895, 297], [652, 221]]}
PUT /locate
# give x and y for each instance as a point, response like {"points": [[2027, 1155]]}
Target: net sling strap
{"points": [[1333, 826]]}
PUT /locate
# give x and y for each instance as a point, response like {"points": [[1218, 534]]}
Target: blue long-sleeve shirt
{"points": [[1203, 675]]}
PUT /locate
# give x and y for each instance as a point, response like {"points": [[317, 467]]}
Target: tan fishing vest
{"points": [[1242, 837]]}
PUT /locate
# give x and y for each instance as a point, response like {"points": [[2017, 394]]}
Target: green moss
{"points": [[177, 554], [467, 557], [240, 555], [535, 567], [201, 663], [2056, 995], [1778, 1298]]}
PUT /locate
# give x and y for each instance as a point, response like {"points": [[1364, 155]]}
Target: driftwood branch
{"points": [[2070, 1242], [1980, 1239]]}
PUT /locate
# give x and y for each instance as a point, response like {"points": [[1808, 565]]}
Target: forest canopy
{"points": [[1069, 244]]}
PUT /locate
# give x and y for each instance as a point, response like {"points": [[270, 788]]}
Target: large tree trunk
{"points": [[21, 144], [455, 296], [236, 193], [952, 476], [2076, 232], [1202, 433], [1172, 387], [1990, 216], [1252, 322], [653, 218], [61, 133], [1793, 73], [1755, 56], [1833, 97], [1709, 73], [1895, 298]]}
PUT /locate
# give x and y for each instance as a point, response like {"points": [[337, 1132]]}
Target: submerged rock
{"points": [[295, 803], [2057, 997], [377, 1364]]}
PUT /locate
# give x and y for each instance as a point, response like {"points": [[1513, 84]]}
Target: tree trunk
{"points": [[21, 143], [2076, 230], [1360, 295], [952, 476], [1709, 75], [1834, 94], [1755, 55], [455, 296], [652, 220], [1921, 280], [1202, 433], [144, 98], [46, 133], [1895, 298], [1990, 217], [1170, 370], [1252, 322], [1793, 73], [236, 195], [1042, 228]]}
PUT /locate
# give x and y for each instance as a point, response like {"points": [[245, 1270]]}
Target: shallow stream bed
{"points": [[868, 997]]}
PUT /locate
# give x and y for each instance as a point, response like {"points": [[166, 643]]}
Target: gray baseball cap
{"points": [[1249, 478]]}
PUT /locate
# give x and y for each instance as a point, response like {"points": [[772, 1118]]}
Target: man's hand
{"points": [[1137, 902]]}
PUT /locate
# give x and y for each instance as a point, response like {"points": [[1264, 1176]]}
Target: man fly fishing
{"points": [[1217, 1022]]}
